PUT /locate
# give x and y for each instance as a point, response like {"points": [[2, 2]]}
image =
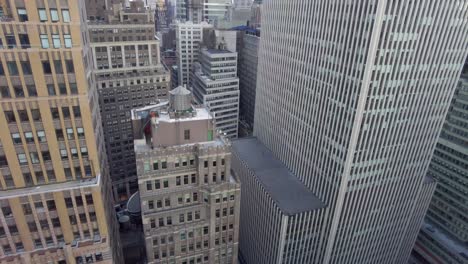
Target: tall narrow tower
{"points": [[55, 189], [351, 98]]}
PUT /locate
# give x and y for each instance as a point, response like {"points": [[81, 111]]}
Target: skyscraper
{"points": [[188, 39], [203, 10], [249, 40], [189, 198], [444, 234], [351, 97], [216, 86], [128, 74], [55, 200]]}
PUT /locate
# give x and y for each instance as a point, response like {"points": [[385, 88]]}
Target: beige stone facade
{"points": [[55, 200], [190, 201]]}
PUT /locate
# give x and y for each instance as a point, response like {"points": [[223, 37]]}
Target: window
{"points": [[70, 134], [22, 15], [155, 166], [16, 138], [44, 41], [18, 91], [55, 113], [164, 165], [149, 186], [76, 111], [36, 114], [62, 89], [66, 112], [56, 41], [22, 159], [74, 152], [150, 203], [41, 136], [73, 88], [24, 40], [46, 157], [166, 183], [68, 41], [59, 133], [10, 41], [4, 92], [46, 67], [26, 66], [31, 90], [23, 115], [2, 71], [12, 68], [42, 15], [70, 67], [34, 157], [58, 66], [63, 153], [157, 184], [177, 178], [29, 137], [89, 199], [187, 134], [66, 15], [80, 132], [51, 89], [54, 15], [84, 151], [10, 116]]}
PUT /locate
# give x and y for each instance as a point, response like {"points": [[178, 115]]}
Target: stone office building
{"points": [[129, 74], [54, 182], [189, 198]]}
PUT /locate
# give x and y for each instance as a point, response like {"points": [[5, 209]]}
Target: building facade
{"points": [[248, 63], [210, 11], [99, 9], [243, 4], [256, 14], [55, 202], [444, 234], [129, 74], [348, 100], [188, 39], [189, 199], [216, 86]]}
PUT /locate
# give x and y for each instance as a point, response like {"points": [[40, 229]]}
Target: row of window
{"points": [[36, 115], [43, 16], [56, 41], [178, 163], [46, 66], [29, 137], [167, 221]]}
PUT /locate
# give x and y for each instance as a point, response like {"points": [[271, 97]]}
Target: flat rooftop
{"points": [[217, 51], [288, 192]]}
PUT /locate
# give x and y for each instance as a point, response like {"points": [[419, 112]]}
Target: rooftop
{"points": [[446, 239], [290, 194], [218, 51]]}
